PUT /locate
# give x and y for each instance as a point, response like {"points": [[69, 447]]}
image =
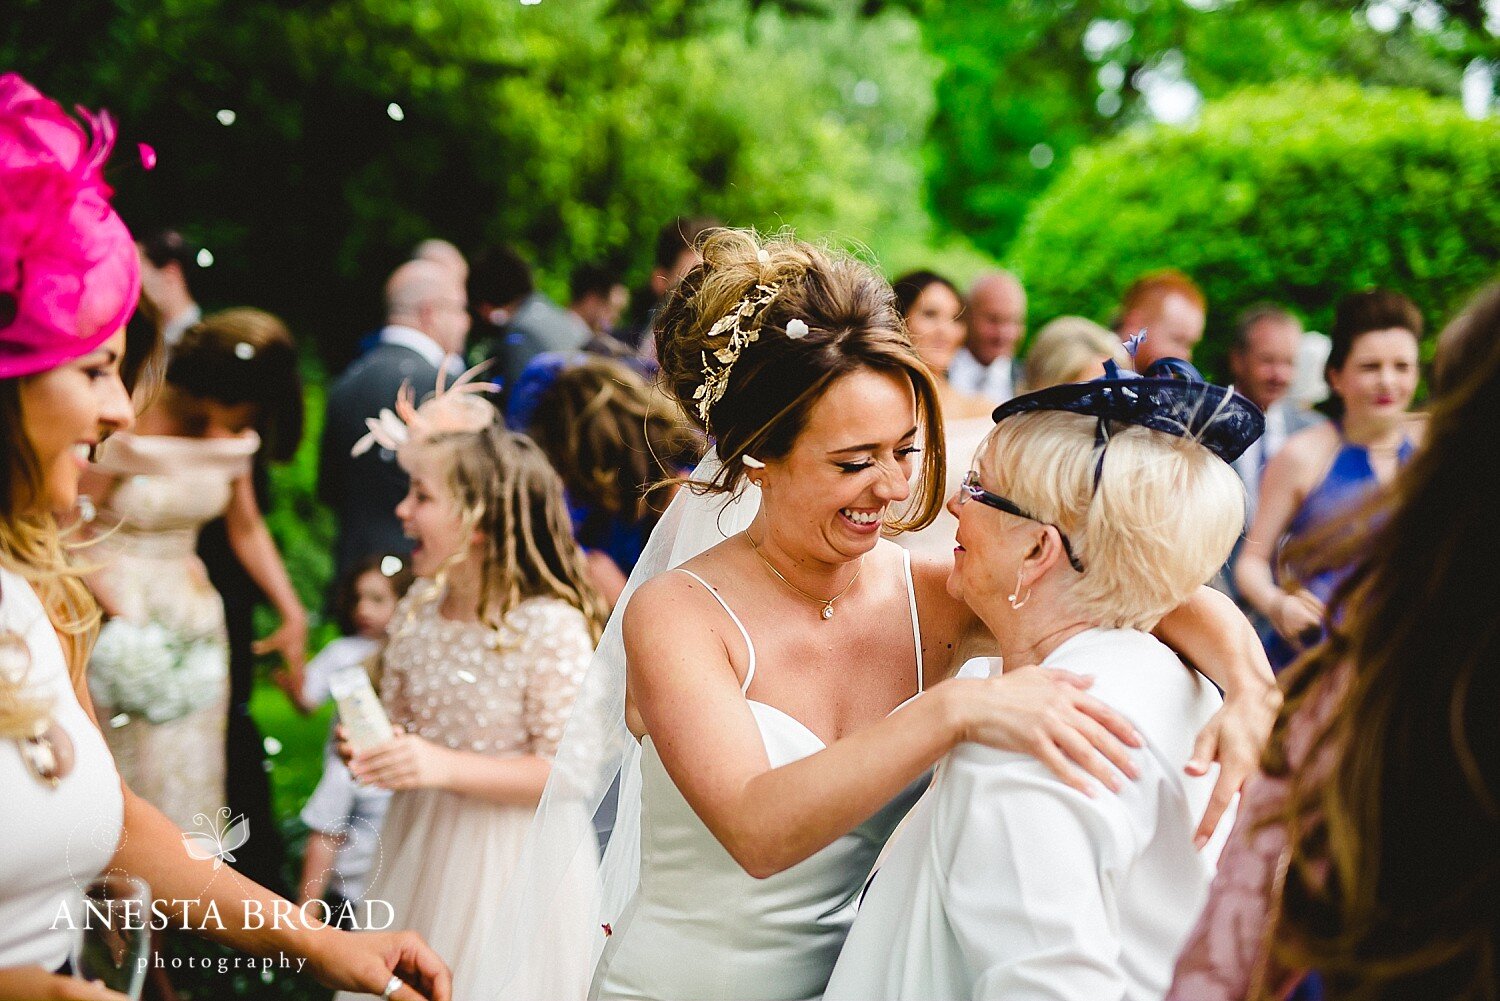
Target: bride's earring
{"points": [[751, 462], [1016, 602]]}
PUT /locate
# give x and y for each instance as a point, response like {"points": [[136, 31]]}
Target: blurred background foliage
{"points": [[1294, 193], [310, 143]]}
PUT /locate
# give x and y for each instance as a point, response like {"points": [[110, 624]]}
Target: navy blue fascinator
{"points": [[1171, 396]]}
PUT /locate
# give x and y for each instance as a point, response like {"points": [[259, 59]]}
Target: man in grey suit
{"points": [[996, 313], [518, 322], [427, 321], [1262, 363]]}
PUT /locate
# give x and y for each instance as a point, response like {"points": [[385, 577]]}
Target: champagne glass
{"points": [[114, 945]]}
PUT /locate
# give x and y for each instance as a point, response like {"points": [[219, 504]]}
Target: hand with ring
{"points": [[394, 965]]}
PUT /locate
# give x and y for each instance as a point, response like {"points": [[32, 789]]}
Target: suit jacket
{"points": [[537, 325], [364, 491]]}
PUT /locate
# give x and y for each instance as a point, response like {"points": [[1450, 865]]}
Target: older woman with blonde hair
{"points": [[1071, 349], [1094, 510]]}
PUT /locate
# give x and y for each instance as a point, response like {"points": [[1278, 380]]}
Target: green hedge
{"points": [[1297, 193]]}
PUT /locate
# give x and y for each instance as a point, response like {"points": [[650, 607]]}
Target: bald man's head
{"points": [[996, 316], [429, 297], [444, 253]]}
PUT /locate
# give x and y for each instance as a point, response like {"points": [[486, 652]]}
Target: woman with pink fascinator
{"points": [[69, 281]]}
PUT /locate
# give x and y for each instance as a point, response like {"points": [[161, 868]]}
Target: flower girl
{"points": [[485, 656]]}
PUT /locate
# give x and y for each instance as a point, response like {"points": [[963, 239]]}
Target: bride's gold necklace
{"points": [[827, 603]]}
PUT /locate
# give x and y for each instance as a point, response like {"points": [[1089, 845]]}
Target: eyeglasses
{"points": [[971, 490]]}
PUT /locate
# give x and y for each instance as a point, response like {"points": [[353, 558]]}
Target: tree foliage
{"points": [[570, 129], [1026, 82], [1296, 193]]}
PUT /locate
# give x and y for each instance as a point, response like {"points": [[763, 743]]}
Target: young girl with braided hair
{"points": [[485, 656]]}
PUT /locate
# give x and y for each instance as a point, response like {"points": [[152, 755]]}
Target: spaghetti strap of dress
{"points": [[750, 671], [916, 627]]}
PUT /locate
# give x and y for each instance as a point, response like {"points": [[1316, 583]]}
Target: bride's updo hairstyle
{"points": [[843, 319]]}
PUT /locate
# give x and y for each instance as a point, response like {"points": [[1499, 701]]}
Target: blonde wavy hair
{"points": [[1067, 348], [852, 325], [613, 441], [1162, 521], [34, 547], [505, 489]]}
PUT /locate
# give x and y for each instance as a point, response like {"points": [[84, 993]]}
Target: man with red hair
{"points": [[1170, 307]]}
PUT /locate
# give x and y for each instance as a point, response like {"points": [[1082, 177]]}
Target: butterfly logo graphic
{"points": [[217, 838]]}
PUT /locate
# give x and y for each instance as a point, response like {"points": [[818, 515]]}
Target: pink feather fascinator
{"points": [[455, 408], [69, 273]]}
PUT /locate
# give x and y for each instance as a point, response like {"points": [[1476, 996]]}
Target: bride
{"points": [[772, 680]]}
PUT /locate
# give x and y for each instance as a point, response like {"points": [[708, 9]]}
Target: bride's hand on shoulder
{"points": [[1049, 715], [1234, 738]]}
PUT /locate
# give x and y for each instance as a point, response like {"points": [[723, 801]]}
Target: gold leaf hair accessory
{"points": [[455, 408], [716, 377]]}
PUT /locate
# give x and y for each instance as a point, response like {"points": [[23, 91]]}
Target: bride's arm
{"points": [[685, 689], [1211, 632]]}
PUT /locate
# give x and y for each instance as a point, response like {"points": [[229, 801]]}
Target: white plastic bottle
{"points": [[360, 711]]}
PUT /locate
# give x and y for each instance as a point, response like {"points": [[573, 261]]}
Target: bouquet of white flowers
{"points": [[146, 669]]}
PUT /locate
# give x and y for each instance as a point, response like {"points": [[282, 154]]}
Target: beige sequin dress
{"points": [[159, 673], [443, 858]]}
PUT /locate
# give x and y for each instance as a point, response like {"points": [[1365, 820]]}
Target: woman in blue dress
{"points": [[1327, 470]]}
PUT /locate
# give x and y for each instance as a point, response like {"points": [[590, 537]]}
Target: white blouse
{"points": [[53, 842], [1005, 883]]}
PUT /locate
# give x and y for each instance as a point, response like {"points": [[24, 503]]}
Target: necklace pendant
{"points": [[828, 611]]}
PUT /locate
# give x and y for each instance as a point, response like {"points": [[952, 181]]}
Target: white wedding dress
{"points": [[699, 927]]}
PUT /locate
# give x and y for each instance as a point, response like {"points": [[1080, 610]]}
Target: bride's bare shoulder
{"points": [[678, 597]]}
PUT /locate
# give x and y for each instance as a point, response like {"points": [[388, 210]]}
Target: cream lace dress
{"points": [[443, 859]]}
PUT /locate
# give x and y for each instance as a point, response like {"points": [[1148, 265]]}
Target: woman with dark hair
{"points": [[69, 280], [206, 365], [1325, 470], [931, 308], [160, 670], [1367, 850]]}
